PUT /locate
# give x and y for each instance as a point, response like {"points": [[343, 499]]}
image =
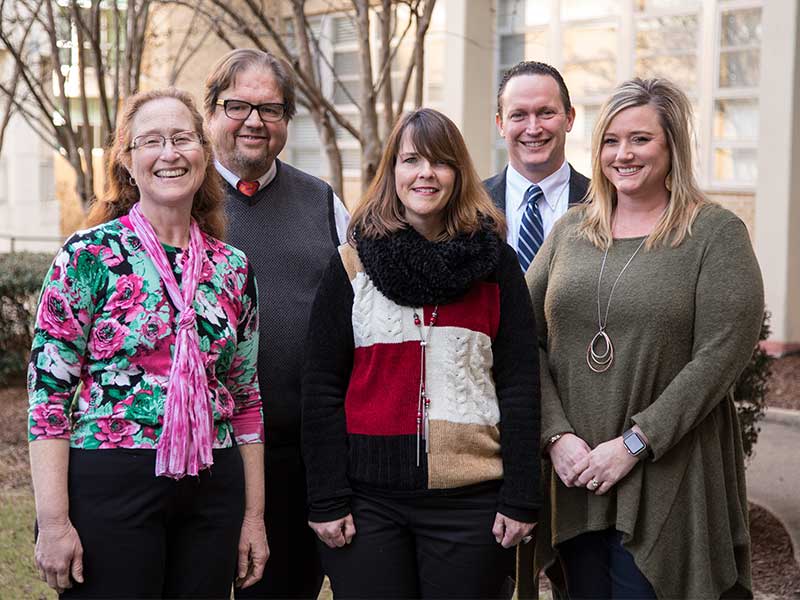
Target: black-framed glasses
{"points": [[239, 110], [183, 140]]}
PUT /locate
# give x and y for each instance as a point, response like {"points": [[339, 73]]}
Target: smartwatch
{"points": [[634, 443]]}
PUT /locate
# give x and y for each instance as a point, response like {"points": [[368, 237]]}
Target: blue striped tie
{"points": [[531, 230]]}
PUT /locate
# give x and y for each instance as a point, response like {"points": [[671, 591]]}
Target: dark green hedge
{"points": [[750, 391], [21, 276]]}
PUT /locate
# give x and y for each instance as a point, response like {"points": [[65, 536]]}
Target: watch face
{"points": [[634, 444]]}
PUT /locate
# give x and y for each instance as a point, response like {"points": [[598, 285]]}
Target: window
{"points": [[600, 43], [735, 110]]}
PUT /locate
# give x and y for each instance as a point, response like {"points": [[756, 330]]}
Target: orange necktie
{"points": [[248, 188]]}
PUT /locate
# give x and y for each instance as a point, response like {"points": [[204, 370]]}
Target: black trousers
{"points": [[153, 537], [421, 547], [598, 567], [293, 569]]}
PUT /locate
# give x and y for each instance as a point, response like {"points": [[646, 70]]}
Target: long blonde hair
{"points": [[675, 116], [436, 138]]}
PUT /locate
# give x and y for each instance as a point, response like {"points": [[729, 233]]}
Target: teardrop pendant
{"points": [[597, 361]]}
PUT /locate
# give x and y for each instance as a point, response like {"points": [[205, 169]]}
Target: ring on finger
{"points": [[526, 539], [594, 484]]}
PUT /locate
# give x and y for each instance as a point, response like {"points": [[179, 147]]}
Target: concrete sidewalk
{"points": [[773, 476]]}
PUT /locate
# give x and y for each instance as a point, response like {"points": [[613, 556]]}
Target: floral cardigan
{"points": [[105, 326]]}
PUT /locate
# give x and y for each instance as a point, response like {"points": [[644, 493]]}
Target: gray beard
{"points": [[242, 164]]}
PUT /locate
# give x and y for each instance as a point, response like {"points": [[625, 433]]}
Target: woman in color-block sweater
{"points": [[421, 393], [650, 302], [145, 425]]}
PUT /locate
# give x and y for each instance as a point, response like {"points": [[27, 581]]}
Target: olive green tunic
{"points": [[684, 322]]}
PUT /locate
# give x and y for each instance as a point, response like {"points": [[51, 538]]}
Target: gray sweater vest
{"points": [[288, 232]]}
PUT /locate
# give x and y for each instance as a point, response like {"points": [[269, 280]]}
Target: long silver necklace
{"points": [[423, 400], [599, 362]]}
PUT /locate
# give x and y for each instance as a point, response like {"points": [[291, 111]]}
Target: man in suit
{"points": [[534, 115]]}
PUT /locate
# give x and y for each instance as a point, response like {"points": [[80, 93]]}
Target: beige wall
{"points": [[777, 206]]}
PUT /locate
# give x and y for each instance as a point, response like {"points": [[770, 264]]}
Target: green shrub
{"points": [[21, 276], [750, 390]]}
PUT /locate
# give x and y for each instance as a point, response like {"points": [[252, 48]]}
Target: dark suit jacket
{"points": [[496, 186]]}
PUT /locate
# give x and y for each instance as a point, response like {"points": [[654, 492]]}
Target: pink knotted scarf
{"points": [[185, 444]]}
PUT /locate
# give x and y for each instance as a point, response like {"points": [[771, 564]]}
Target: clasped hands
{"points": [[598, 469]]}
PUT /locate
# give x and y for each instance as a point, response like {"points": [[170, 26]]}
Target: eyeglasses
{"points": [[239, 110], [183, 140]]}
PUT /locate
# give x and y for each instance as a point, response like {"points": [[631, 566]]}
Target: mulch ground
{"points": [[775, 572], [784, 384]]}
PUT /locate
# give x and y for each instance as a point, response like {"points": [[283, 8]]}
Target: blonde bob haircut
{"points": [[686, 199], [120, 195], [436, 138]]}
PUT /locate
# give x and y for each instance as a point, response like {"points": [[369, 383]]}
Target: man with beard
{"points": [[289, 225], [534, 115]]}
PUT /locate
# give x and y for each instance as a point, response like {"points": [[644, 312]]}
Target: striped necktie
{"points": [[531, 230]]}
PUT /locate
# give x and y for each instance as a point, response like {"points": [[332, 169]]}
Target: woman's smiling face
{"points": [[166, 176], [635, 154], [423, 187]]}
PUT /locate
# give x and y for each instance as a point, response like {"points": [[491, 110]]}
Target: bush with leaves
{"points": [[749, 392], [21, 276]]}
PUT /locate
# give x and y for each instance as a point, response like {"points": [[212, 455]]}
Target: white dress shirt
{"points": [[340, 214], [552, 206]]}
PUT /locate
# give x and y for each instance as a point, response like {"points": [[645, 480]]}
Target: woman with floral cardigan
{"points": [[142, 380]]}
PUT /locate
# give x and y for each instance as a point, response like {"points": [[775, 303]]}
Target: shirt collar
{"points": [[234, 179], [551, 186]]}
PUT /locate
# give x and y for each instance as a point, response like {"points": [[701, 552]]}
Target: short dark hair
{"points": [[532, 67], [224, 72]]}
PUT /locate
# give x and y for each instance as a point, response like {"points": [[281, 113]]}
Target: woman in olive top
{"points": [[650, 301]]}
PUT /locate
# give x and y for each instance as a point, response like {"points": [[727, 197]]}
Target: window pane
{"points": [[341, 97], [537, 12], [511, 14], [663, 34], [590, 65], [351, 159], [345, 63], [588, 9], [536, 45], [739, 68], [590, 78], [344, 30], [736, 119], [741, 27], [735, 165], [309, 161], [655, 5], [303, 131], [342, 134], [585, 119], [680, 69], [512, 49]]}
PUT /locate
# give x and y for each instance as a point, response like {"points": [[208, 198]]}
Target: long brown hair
{"points": [[119, 195], [436, 138], [675, 117]]}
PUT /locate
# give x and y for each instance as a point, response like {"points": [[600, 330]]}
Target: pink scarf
{"points": [[185, 444]]}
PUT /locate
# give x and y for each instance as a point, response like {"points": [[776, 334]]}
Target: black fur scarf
{"points": [[412, 271]]}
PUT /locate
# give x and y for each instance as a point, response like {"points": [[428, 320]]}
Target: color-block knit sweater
{"points": [[361, 390]]}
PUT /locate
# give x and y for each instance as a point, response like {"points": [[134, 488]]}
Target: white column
{"points": [[468, 86], [777, 211]]}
